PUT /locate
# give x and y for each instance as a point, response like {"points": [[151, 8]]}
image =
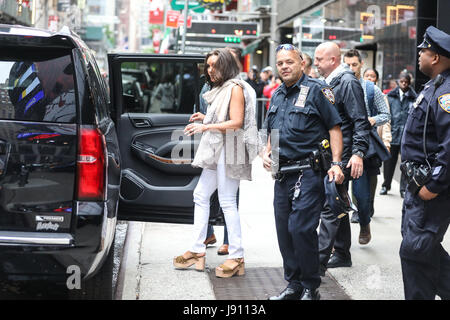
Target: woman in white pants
{"points": [[228, 123]]}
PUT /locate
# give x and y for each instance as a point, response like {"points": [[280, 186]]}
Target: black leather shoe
{"points": [[288, 294], [383, 191], [337, 262], [322, 270], [309, 294]]}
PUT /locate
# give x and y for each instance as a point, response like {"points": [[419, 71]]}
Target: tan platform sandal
{"points": [[223, 271], [181, 262]]}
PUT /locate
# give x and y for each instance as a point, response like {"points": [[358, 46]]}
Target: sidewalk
{"points": [[148, 273]]}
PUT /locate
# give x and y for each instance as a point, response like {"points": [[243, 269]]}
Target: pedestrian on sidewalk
{"points": [[255, 81], [401, 100], [299, 192], [378, 114], [270, 89], [384, 131], [426, 146], [229, 119], [210, 236], [349, 102]]}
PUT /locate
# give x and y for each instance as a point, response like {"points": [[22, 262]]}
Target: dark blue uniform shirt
{"points": [[438, 133], [303, 126]]}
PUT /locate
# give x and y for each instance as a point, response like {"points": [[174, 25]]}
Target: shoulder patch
{"points": [[328, 93], [444, 102]]}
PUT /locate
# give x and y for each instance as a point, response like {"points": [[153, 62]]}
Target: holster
{"points": [[417, 175]]}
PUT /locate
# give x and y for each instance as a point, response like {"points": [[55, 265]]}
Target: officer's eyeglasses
{"points": [[288, 47]]}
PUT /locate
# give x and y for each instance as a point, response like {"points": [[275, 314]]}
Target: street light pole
{"points": [[183, 41], [273, 33]]}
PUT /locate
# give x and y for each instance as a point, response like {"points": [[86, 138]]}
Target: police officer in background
{"points": [[425, 153], [302, 113]]}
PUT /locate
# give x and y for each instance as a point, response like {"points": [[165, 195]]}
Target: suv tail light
{"points": [[91, 165]]}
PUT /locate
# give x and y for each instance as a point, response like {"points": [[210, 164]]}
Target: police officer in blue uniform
{"points": [[425, 153], [300, 117]]}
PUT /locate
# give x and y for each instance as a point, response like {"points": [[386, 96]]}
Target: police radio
{"points": [[325, 154]]}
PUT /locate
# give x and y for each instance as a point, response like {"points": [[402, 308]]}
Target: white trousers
{"points": [[209, 181]]}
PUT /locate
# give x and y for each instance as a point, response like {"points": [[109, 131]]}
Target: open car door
{"points": [[152, 99]]}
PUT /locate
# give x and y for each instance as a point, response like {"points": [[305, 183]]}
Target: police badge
{"points": [[444, 102], [328, 93], [302, 96]]}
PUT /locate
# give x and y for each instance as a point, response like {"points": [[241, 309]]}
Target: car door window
{"points": [[159, 87]]}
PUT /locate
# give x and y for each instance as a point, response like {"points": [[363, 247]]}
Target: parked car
{"points": [[74, 158]]}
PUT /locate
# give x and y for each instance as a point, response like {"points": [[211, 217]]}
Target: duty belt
{"points": [[291, 167]]}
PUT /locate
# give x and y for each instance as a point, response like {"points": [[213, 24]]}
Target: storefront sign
{"points": [[181, 21], [175, 19], [156, 13], [172, 19]]}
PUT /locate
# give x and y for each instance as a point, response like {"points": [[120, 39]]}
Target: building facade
{"points": [[386, 32]]}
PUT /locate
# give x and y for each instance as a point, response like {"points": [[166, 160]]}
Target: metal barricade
{"points": [[261, 110]]}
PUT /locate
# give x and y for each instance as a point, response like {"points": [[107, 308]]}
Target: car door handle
{"points": [[141, 123]]}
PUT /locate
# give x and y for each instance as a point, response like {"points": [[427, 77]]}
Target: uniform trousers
{"points": [[425, 263], [227, 188], [296, 224]]}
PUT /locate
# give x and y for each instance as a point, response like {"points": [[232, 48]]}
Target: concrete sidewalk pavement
{"points": [[148, 274]]}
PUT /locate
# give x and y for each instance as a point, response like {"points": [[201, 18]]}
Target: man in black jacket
{"points": [[400, 100], [349, 101], [255, 81]]}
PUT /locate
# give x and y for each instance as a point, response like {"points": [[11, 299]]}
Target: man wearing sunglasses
{"points": [[301, 115], [335, 232]]}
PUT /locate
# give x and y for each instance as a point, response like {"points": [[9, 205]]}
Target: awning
{"points": [[251, 47]]}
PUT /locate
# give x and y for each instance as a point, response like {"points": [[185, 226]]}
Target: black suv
{"points": [[76, 154]]}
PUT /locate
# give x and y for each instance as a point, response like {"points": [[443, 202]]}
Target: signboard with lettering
{"points": [[194, 5]]}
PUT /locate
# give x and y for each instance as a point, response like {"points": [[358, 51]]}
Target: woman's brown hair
{"points": [[226, 67]]}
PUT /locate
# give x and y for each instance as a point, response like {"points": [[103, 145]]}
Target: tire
{"points": [[100, 286]]}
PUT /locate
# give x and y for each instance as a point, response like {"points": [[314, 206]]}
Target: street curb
{"points": [[129, 274]]}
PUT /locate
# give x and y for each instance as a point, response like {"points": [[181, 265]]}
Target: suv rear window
{"points": [[40, 90]]}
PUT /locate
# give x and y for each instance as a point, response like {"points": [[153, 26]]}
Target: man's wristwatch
{"points": [[337, 163], [360, 154]]}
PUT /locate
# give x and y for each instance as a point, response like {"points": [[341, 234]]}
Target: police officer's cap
{"points": [[338, 198], [437, 41]]}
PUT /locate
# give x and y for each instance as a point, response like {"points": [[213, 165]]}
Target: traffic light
{"points": [[232, 39]]}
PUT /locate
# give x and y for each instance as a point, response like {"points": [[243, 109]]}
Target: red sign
{"points": [[181, 21], [172, 18], [156, 16], [412, 32]]}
